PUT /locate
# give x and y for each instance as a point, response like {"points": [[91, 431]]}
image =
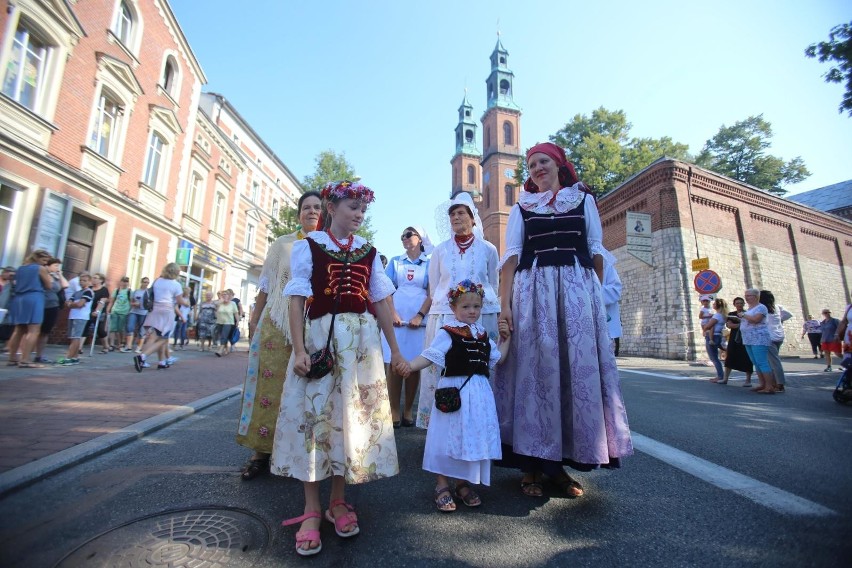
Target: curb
{"points": [[28, 474]]}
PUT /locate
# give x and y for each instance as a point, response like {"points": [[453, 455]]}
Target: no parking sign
{"points": [[707, 282]]}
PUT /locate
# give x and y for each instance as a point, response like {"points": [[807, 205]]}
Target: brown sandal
{"points": [[569, 485], [444, 499], [532, 488], [469, 498]]}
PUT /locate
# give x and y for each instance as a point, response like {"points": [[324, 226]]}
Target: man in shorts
{"points": [[78, 317]]}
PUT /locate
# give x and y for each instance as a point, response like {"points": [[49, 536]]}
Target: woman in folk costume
{"points": [[558, 394], [339, 425], [271, 347], [464, 255]]}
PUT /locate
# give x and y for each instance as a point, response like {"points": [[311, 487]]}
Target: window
{"points": [[169, 75], [139, 259], [153, 161], [106, 125], [468, 136], [487, 197], [192, 195], [7, 208], [249, 237], [510, 194], [218, 212], [487, 136], [255, 192], [26, 68], [508, 134], [471, 175], [504, 87], [275, 209], [123, 26]]}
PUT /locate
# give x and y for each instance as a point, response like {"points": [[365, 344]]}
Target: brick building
{"points": [[113, 159], [751, 238]]}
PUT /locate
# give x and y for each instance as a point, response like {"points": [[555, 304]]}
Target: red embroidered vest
{"points": [[352, 279]]}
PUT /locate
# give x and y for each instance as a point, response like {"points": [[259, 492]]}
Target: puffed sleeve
{"points": [[380, 285], [495, 355], [301, 267], [594, 231], [514, 235], [437, 351]]}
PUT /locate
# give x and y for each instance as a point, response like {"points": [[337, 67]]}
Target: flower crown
{"points": [[337, 190], [466, 286]]}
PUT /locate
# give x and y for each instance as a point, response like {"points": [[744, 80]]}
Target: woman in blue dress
{"points": [[27, 307]]}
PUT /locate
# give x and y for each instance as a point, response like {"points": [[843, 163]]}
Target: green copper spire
{"points": [[466, 130], [499, 82]]}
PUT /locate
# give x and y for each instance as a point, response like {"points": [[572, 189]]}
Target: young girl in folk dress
{"points": [[337, 426], [461, 444]]}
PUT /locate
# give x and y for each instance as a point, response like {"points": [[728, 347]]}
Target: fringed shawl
{"points": [[273, 278]]}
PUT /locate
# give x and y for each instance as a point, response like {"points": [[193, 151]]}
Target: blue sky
{"points": [[381, 80]]}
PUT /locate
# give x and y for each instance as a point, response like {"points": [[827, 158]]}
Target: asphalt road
{"points": [[721, 477]]}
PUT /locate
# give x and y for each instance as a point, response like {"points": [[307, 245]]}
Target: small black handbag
{"points": [[322, 361], [448, 399]]}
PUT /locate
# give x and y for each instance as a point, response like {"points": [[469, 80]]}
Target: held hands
{"points": [[400, 365], [504, 324], [302, 363]]}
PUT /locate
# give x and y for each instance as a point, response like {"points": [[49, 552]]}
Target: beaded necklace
{"points": [[344, 248], [463, 242]]}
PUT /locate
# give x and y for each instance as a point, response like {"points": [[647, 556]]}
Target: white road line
{"points": [[724, 478], [661, 375]]}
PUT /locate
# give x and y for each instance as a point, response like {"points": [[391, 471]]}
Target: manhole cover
{"points": [[194, 538]]}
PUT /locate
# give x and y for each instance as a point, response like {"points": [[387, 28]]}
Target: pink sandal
{"points": [[345, 519], [308, 535]]}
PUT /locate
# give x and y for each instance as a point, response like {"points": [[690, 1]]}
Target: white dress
{"points": [[411, 279], [462, 444]]}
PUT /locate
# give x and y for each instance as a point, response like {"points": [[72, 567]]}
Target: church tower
{"points": [[467, 173], [501, 146]]}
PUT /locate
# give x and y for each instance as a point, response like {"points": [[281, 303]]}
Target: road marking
{"points": [[661, 375], [761, 493]]}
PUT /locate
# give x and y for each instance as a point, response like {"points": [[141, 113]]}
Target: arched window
{"points": [[487, 197], [487, 137], [170, 81], [510, 194], [508, 134], [504, 87], [468, 135], [471, 175], [107, 116], [123, 25]]}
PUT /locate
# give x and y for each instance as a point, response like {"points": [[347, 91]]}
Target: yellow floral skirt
{"points": [[339, 424], [268, 357]]}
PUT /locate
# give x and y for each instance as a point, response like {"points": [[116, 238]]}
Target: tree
{"points": [[739, 152], [603, 153], [838, 48], [329, 166]]}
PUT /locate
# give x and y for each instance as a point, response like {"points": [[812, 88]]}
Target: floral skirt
{"points": [[339, 424], [269, 354]]}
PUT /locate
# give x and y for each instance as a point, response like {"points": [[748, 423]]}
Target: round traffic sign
{"points": [[707, 282]]}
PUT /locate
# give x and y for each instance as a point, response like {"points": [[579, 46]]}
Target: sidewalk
{"points": [[58, 416]]}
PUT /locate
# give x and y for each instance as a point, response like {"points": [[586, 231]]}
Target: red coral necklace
{"points": [[343, 247], [464, 242]]}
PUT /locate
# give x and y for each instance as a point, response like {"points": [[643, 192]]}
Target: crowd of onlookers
{"points": [[36, 294], [755, 335]]}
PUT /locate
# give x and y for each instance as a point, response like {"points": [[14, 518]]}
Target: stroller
{"points": [[843, 390]]}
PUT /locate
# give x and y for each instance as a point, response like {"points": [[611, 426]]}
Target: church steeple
{"points": [[499, 82], [466, 129]]}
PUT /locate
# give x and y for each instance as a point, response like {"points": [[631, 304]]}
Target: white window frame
{"points": [[219, 206], [155, 158], [171, 59], [135, 269], [116, 115], [255, 192], [275, 209], [23, 47], [250, 236], [194, 194], [132, 40]]}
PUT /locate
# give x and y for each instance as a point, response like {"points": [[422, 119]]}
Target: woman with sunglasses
{"points": [[409, 272]]}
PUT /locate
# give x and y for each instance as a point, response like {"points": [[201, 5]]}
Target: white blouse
{"points": [[302, 266], [566, 199], [447, 268]]}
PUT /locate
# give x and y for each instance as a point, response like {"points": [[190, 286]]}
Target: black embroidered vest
{"points": [[330, 273], [556, 239], [468, 355]]}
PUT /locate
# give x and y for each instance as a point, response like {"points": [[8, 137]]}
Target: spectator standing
{"points": [[226, 316], [755, 330], [612, 298], [813, 329], [182, 321], [736, 358], [7, 287], [80, 302], [206, 329], [830, 341], [120, 304], [775, 320], [713, 332], [136, 317], [54, 300], [27, 307], [97, 324]]}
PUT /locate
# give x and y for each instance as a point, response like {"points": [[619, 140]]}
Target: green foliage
{"points": [[838, 49], [739, 152], [604, 154], [329, 166]]}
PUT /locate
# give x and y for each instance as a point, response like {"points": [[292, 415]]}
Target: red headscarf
{"points": [[567, 174]]}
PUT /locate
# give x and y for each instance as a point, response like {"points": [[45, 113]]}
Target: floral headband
{"points": [[337, 190], [466, 286]]}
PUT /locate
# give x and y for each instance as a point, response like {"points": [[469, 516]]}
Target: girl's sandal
{"points": [[569, 485], [469, 497], [444, 499], [308, 535], [30, 366], [342, 521], [532, 488]]}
